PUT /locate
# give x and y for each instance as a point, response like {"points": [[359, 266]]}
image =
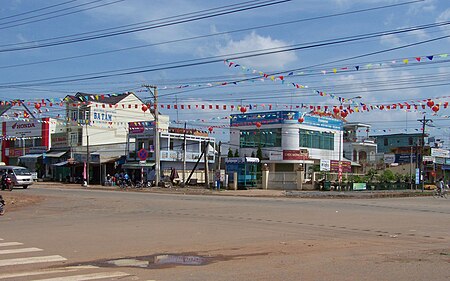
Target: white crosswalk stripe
{"points": [[92, 276], [44, 272], [8, 244], [21, 250], [29, 260], [14, 254]]}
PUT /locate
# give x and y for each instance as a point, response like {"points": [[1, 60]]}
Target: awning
{"points": [[65, 163], [61, 164], [137, 165], [30, 156], [55, 154]]}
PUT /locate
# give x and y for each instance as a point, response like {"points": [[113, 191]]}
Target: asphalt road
{"points": [[111, 235]]}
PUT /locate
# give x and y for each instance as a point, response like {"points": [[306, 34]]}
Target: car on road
{"points": [[20, 176]]}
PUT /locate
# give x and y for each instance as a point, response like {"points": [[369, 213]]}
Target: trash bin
{"points": [[327, 185]]}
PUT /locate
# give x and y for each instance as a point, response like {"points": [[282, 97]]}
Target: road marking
{"points": [[16, 251], [6, 244], [91, 276], [42, 272], [31, 260]]}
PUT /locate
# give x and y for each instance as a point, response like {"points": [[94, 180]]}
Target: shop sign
{"points": [[284, 117], [59, 140], [301, 154], [389, 158], [276, 155], [447, 161], [24, 129], [103, 115], [438, 152], [346, 166], [359, 186], [325, 165], [439, 160], [404, 158]]}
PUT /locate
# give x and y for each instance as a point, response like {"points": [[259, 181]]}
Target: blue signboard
{"points": [[284, 117], [417, 176]]}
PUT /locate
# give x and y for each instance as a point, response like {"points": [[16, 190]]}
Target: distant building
{"points": [[398, 143], [359, 148]]}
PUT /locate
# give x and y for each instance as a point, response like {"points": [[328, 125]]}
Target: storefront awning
{"points": [[137, 165], [60, 164], [65, 163], [55, 154], [30, 156]]}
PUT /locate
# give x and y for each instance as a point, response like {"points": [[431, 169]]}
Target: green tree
{"points": [[230, 153], [236, 153]]}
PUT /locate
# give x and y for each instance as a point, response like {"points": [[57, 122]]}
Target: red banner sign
{"points": [[295, 154]]}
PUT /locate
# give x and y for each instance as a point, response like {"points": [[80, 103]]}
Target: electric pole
{"points": [[156, 130], [206, 164], [424, 122], [184, 154], [88, 156]]}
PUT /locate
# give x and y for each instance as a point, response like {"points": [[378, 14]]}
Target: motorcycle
{"points": [[7, 183]]}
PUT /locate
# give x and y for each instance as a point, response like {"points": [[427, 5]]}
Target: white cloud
{"points": [[253, 42]]}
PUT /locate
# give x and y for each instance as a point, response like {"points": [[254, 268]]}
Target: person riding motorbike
{"points": [[6, 181]]}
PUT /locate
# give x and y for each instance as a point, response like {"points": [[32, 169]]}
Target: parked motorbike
{"points": [[7, 183]]}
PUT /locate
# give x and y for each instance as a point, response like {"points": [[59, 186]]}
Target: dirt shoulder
{"points": [[15, 201]]}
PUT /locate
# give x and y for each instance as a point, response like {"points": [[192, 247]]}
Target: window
{"points": [[410, 141], [171, 145], [263, 138], [385, 142], [314, 139]]}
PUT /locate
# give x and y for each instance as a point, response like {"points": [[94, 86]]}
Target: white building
{"points": [[100, 122], [288, 138]]}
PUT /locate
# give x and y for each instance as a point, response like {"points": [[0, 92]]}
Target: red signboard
{"points": [[295, 154], [346, 166]]}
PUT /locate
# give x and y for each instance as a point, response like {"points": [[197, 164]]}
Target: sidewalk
{"points": [[248, 193]]}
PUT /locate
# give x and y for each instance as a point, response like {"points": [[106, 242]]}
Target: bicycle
{"points": [[440, 193]]}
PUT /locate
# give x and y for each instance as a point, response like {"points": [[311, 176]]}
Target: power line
{"points": [[37, 10], [99, 75], [210, 35], [56, 16], [122, 32]]}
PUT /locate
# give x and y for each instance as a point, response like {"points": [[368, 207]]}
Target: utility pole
{"points": [[88, 156], [184, 154], [156, 131], [205, 155], [424, 122]]}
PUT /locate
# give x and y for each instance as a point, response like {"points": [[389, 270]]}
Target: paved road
{"points": [[105, 235]]}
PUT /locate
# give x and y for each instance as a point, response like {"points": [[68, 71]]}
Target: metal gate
{"points": [[283, 180]]}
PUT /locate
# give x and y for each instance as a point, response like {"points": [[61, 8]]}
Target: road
{"points": [[76, 234]]}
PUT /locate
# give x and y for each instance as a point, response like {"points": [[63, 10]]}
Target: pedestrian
{"points": [[440, 185]]}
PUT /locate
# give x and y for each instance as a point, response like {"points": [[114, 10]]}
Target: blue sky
{"points": [[380, 81]]}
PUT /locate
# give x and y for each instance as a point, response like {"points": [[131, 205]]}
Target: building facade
{"points": [[287, 138], [180, 149], [359, 147]]}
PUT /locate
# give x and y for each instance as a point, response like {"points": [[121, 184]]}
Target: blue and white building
{"points": [[287, 138]]}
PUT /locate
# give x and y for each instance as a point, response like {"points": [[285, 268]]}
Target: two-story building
{"points": [[359, 147], [180, 149], [97, 125], [288, 139]]}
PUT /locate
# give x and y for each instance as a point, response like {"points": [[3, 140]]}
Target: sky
{"points": [[310, 53]]}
